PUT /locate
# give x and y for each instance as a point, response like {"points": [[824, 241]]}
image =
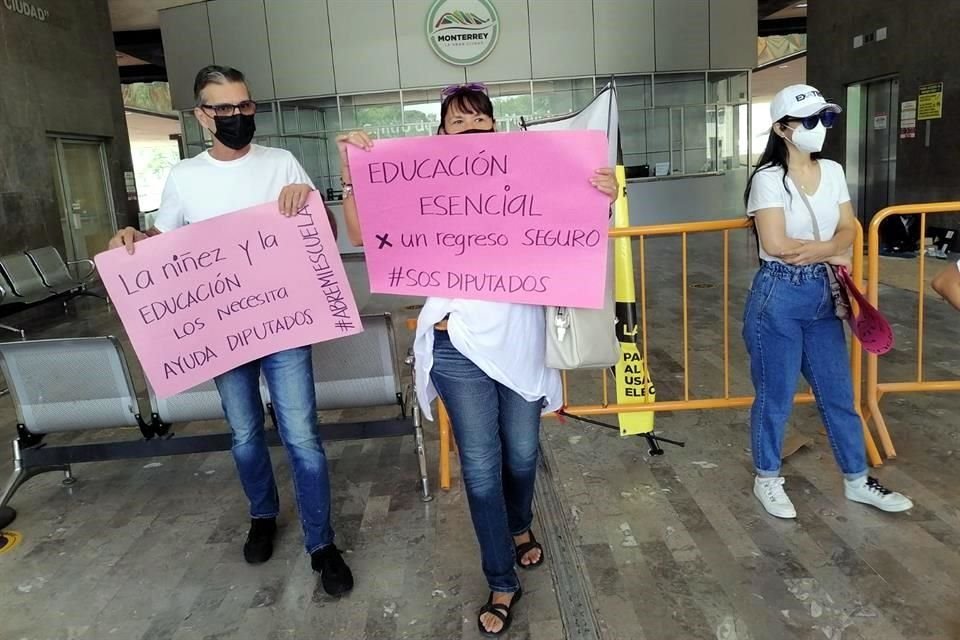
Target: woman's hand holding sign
{"points": [[605, 180], [361, 140]]}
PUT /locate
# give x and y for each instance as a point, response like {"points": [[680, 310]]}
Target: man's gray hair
{"points": [[215, 74]]}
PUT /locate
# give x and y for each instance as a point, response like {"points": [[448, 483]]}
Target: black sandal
{"points": [[527, 547], [501, 611]]}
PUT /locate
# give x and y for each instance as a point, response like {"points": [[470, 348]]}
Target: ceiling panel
{"points": [[767, 82], [133, 15]]}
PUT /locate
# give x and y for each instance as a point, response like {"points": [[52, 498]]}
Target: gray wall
{"points": [[55, 76], [696, 199], [324, 47], [918, 50]]}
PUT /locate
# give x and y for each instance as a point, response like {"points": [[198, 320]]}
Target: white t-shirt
{"points": [[767, 192], [202, 187], [506, 341]]}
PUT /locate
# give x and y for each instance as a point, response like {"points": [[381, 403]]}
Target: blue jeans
{"points": [[497, 434], [289, 376], [790, 327]]}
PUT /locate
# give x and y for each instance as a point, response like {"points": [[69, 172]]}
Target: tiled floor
{"points": [[669, 548]]}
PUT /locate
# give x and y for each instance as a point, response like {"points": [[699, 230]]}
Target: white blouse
{"points": [[768, 192], [506, 341]]}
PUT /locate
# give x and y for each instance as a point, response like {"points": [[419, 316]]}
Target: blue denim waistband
{"points": [[793, 273]]}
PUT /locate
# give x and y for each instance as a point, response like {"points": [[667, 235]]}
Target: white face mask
{"points": [[809, 140]]}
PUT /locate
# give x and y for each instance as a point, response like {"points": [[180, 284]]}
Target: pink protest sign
{"points": [[502, 216], [213, 295]]}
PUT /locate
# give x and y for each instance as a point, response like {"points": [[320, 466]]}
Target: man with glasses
{"points": [[235, 174]]}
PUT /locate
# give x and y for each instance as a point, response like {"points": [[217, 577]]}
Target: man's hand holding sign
{"points": [[514, 217]]}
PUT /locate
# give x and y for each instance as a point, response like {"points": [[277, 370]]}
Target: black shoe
{"points": [[335, 575], [259, 545], [502, 611], [525, 548]]}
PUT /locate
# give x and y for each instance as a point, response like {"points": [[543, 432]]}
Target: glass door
{"points": [[83, 195]]}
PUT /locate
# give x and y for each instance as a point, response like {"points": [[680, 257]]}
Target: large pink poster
{"points": [[501, 216], [211, 296]]}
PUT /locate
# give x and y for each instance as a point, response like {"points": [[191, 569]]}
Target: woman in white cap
{"points": [[805, 223]]}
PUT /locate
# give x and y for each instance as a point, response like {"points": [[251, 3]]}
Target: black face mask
{"points": [[235, 131], [476, 131]]}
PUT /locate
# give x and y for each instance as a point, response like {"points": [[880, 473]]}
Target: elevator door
{"points": [[872, 145]]}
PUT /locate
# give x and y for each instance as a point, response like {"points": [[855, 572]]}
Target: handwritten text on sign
{"points": [[211, 296], [503, 216]]}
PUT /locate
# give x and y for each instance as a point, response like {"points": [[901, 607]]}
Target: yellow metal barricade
{"points": [[726, 401], [604, 407], [876, 389]]}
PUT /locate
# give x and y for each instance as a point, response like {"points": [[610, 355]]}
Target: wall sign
{"points": [[27, 9], [131, 184], [930, 102], [908, 119], [462, 32]]}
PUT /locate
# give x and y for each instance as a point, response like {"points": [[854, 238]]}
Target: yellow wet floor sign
{"points": [[634, 384]]}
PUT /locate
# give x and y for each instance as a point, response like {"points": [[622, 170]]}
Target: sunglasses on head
{"points": [[827, 118], [456, 88]]}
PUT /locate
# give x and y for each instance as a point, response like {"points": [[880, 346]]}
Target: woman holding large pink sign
{"points": [[485, 360], [792, 322]]}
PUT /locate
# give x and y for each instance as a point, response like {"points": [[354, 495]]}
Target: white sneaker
{"points": [[867, 490], [770, 493]]}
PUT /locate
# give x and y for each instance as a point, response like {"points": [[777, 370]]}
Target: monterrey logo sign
{"points": [[462, 32]]}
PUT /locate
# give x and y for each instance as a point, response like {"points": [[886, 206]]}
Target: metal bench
{"points": [[80, 384], [55, 272], [363, 371], [7, 300], [60, 386], [25, 283], [357, 372], [29, 284], [198, 404]]}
